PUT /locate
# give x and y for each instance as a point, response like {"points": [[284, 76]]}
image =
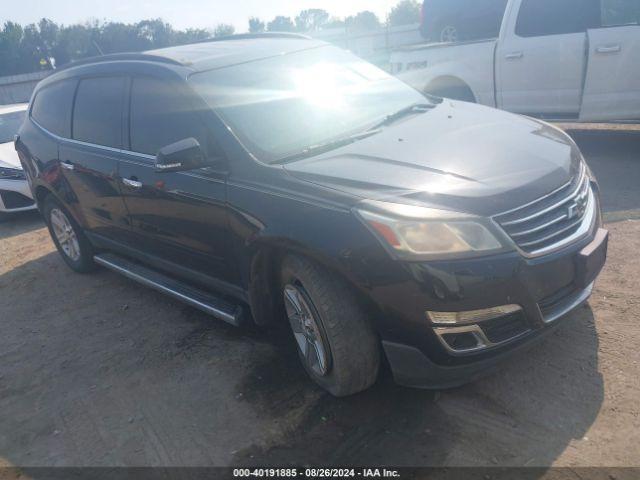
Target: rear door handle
{"points": [[608, 49], [514, 55], [131, 182], [67, 165]]}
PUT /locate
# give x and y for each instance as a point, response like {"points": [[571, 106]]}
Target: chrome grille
{"points": [[553, 220]]}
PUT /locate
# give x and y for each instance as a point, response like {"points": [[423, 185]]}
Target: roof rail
{"points": [[119, 56], [249, 36]]}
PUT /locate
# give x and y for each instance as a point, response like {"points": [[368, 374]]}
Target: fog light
{"points": [[472, 316]]}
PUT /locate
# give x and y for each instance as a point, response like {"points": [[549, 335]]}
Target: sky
{"points": [[180, 13]]}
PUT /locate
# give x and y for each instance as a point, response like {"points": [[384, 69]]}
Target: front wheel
{"points": [[68, 237], [335, 342]]}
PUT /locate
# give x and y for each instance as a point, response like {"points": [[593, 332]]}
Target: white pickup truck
{"points": [[556, 59]]}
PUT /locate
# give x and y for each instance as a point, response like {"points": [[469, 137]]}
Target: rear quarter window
{"points": [[52, 105]]}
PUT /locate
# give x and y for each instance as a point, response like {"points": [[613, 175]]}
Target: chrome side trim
{"points": [[222, 315], [574, 303]]}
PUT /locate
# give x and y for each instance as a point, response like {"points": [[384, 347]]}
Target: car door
{"points": [[540, 62], [177, 218], [89, 159], [612, 87]]}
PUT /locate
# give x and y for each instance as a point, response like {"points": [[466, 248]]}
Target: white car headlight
{"points": [[420, 233]]}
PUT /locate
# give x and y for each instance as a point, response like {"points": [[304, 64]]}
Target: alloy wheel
{"points": [[449, 34], [65, 234], [306, 330]]}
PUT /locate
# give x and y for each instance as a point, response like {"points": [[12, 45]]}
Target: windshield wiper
{"points": [[412, 109], [326, 147]]}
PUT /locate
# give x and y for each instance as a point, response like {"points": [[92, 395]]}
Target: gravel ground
{"points": [[97, 371]]}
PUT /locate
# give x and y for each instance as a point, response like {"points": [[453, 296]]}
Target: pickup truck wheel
{"points": [[336, 344], [68, 237]]}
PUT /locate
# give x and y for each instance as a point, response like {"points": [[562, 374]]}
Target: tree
{"points": [[311, 20], [256, 25], [363, 21], [281, 24], [405, 12], [223, 30], [334, 22]]}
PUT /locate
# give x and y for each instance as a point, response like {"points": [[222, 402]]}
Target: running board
{"points": [[207, 302]]}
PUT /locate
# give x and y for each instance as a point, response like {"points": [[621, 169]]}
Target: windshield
{"points": [[284, 105], [9, 125]]}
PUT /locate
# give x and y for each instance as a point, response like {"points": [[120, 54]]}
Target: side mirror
{"points": [[184, 155]]}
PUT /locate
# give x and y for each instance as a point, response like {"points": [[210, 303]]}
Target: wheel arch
{"points": [[264, 275], [447, 85]]}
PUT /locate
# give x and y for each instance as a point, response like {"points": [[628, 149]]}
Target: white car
{"points": [[15, 195], [554, 59]]}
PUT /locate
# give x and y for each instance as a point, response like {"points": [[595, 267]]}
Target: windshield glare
{"points": [[281, 106], [9, 125]]}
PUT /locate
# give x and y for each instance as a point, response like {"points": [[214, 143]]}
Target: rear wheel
{"points": [[68, 237], [336, 344], [449, 34]]}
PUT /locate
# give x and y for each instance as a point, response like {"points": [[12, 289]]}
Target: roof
{"points": [[216, 52], [226, 51], [16, 107]]}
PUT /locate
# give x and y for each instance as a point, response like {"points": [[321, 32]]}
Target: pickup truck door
{"points": [[612, 87], [540, 60]]}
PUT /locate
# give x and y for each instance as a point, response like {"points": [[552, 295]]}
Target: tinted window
{"points": [[160, 115], [97, 115], [620, 12], [9, 125], [52, 107], [555, 17]]}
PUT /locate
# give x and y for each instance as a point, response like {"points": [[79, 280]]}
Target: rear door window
{"points": [[620, 12], [52, 105], [556, 17], [161, 114], [97, 114]]}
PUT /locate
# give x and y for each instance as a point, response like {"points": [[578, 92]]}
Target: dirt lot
{"points": [[95, 370]]}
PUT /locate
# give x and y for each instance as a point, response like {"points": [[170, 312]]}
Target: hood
{"points": [[458, 156], [8, 156]]}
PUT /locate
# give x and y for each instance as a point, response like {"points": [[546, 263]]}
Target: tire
{"points": [[449, 34], [79, 254], [351, 347]]}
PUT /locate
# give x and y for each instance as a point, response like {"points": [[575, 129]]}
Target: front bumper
{"points": [[15, 196], [547, 289]]}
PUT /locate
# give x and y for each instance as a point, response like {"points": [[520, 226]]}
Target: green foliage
{"points": [[311, 20], [281, 24], [45, 44], [405, 12], [363, 21], [256, 25], [224, 30]]}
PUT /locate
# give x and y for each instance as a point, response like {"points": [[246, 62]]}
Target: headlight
{"points": [[417, 232], [11, 174]]}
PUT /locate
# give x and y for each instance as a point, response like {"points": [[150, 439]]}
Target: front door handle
{"points": [[514, 55], [608, 49], [132, 182], [67, 165]]}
